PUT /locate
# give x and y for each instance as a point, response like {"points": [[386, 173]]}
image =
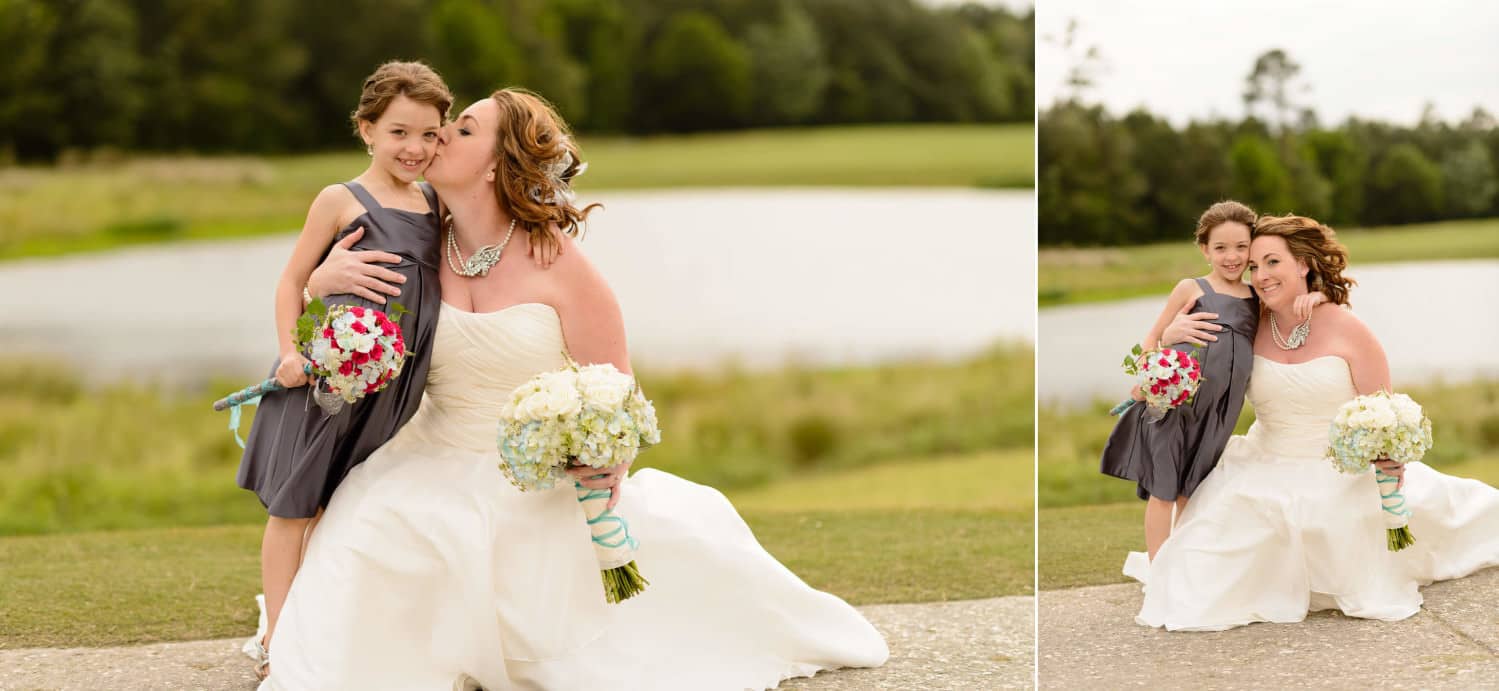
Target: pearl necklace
{"points": [[1296, 339], [482, 260]]}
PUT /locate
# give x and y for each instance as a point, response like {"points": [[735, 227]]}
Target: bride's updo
{"points": [[1317, 245], [536, 162]]}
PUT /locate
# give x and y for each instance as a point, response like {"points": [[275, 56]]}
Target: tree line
{"points": [[1107, 180], [283, 75]]}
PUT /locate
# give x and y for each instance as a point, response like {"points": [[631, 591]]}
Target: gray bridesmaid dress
{"points": [[1170, 457], [296, 454]]}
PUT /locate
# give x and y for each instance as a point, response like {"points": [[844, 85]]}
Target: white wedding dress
{"points": [[428, 564], [1274, 531]]}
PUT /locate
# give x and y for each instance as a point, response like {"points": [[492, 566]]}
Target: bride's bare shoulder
{"points": [[577, 279], [1357, 344], [1342, 320]]}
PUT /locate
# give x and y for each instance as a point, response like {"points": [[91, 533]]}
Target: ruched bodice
{"points": [[478, 359], [1294, 404]]}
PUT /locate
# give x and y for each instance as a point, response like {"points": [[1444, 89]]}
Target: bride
{"points": [[429, 570], [1274, 531]]}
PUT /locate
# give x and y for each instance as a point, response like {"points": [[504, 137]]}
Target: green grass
{"points": [[1066, 276], [1465, 427], [128, 457], [102, 205], [928, 483], [1086, 545], [891, 483], [894, 538]]}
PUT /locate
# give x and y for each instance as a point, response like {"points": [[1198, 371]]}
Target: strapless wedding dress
{"points": [[1274, 531], [428, 564]]}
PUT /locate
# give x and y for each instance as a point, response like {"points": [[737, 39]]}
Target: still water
{"points": [[756, 277], [1434, 319]]}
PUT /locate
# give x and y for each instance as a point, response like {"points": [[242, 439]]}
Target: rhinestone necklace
{"points": [[482, 260], [1296, 339]]}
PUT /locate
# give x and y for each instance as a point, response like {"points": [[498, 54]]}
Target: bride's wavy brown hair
{"points": [[1317, 245], [532, 139]]}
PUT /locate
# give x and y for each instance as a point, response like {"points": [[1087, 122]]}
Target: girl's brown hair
{"points": [[1223, 212], [414, 80], [1317, 245], [536, 160]]}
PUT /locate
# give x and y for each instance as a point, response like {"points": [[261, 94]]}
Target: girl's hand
{"points": [[546, 253], [601, 478], [291, 373], [1304, 304], [1136, 394]]}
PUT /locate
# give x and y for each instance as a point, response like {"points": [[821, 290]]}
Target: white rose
{"points": [[605, 388], [565, 402]]}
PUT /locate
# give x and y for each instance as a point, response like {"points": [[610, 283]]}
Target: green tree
{"points": [[602, 37], [698, 75], [1405, 187], [473, 49], [1310, 189], [1259, 178], [1089, 193], [209, 93], [29, 109], [790, 70], [1273, 81], [1468, 180], [73, 81], [1342, 163]]}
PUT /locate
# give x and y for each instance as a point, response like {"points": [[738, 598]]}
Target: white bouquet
{"points": [[592, 416], [1380, 426]]}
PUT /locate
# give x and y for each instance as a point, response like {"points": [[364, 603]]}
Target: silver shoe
{"points": [[262, 657]]}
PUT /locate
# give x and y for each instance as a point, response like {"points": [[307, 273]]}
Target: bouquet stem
{"points": [[613, 546], [1400, 538], [623, 582], [1397, 537]]}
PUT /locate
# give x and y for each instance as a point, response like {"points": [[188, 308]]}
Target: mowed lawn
{"points": [[144, 199], [1076, 275], [947, 528]]}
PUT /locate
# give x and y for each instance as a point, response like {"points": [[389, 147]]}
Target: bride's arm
{"points": [[1368, 366], [592, 325], [594, 330], [1175, 325]]}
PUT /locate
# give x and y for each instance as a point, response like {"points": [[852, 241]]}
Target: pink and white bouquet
{"points": [[1380, 426], [591, 416], [355, 350], [1168, 379]]}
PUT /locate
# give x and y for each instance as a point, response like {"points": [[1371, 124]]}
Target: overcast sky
{"points": [[1377, 59]]}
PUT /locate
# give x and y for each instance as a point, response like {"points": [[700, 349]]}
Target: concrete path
{"points": [[976, 644], [1088, 640]]}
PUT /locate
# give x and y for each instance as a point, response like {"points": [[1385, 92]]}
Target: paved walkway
{"points": [[976, 644], [1089, 641]]}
